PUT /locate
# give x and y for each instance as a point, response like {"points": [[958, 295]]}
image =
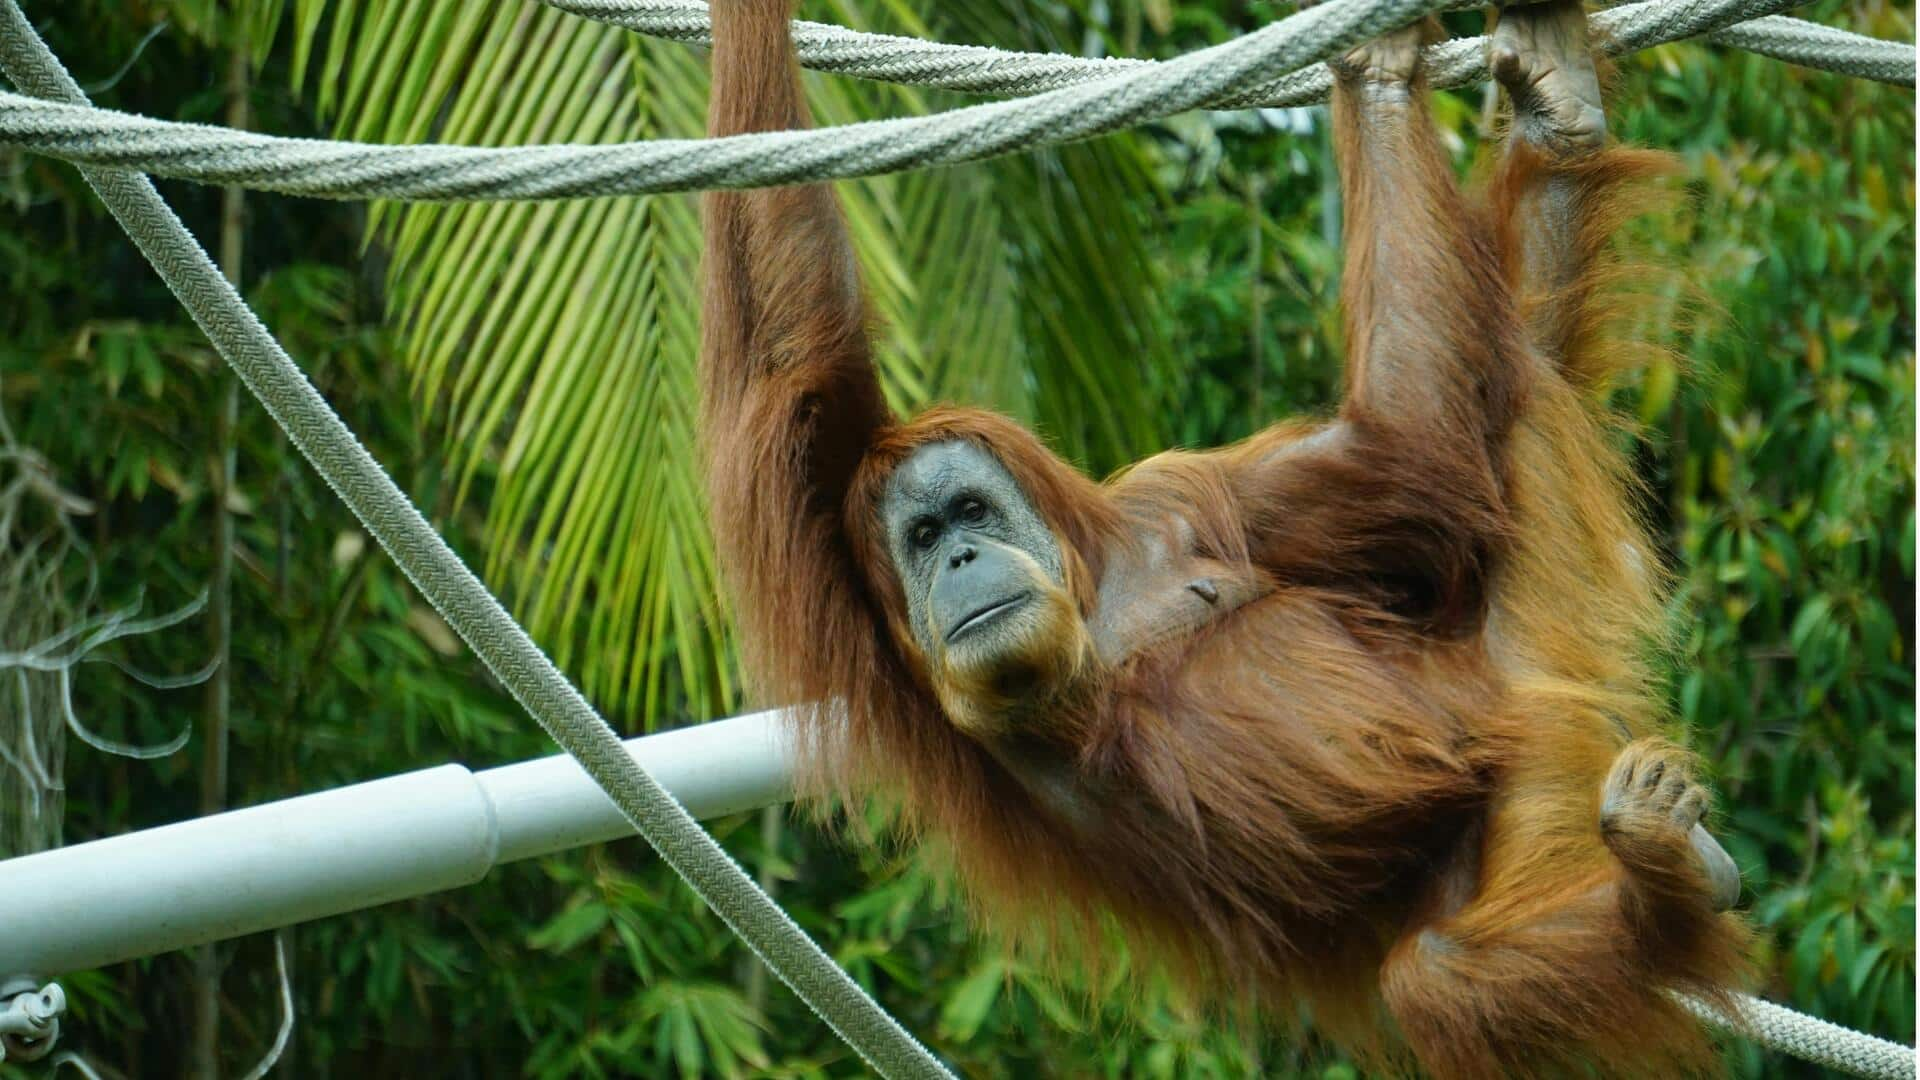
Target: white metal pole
{"points": [[354, 847]]}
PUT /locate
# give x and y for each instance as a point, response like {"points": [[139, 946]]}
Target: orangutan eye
{"points": [[972, 510], [923, 535]]}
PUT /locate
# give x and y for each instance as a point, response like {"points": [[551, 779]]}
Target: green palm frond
{"points": [[557, 342], [1041, 290]]}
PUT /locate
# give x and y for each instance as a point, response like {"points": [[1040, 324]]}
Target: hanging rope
{"points": [[1808, 1038], [1797, 41], [1289, 49], [984, 70], [459, 596]]}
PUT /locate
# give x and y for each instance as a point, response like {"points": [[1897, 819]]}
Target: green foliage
{"points": [[1788, 475], [526, 372], [587, 469]]}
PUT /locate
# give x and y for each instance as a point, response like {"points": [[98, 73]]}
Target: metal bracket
{"points": [[29, 1018]]}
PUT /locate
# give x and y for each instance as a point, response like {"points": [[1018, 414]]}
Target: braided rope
{"points": [[458, 595], [1283, 55], [986, 70], [1797, 41], [1810, 1038]]}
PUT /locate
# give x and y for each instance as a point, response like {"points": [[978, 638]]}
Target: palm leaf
{"points": [[1046, 291], [556, 343]]}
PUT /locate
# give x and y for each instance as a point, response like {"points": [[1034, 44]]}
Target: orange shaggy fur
{"points": [[1373, 791]]}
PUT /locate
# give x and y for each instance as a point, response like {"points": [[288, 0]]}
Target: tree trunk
{"points": [[204, 1053], [772, 818], [1256, 301]]}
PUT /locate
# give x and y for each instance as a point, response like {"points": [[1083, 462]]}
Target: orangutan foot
{"points": [[1541, 54]]}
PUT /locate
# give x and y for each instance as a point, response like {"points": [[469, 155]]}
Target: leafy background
{"points": [[526, 373]]}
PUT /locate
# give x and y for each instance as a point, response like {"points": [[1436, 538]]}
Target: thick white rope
{"points": [[458, 595], [1292, 48], [1810, 1038], [1809, 44], [981, 69]]}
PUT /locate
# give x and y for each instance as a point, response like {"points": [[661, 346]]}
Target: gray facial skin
{"points": [[956, 521]]}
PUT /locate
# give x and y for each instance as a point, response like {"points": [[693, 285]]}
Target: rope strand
{"points": [[1281, 61], [986, 70], [1809, 1038]]}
